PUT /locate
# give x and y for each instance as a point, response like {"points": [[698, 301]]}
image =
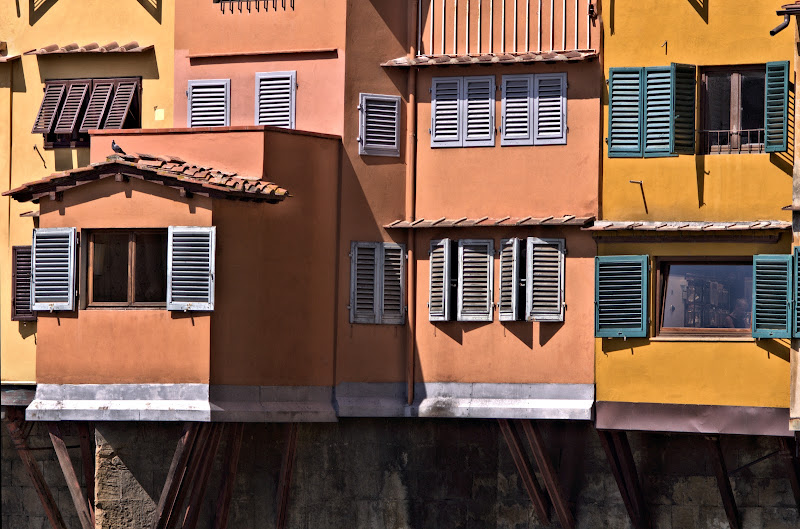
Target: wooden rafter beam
{"points": [[721, 471], [229, 468], [188, 477], [525, 471], [175, 474], [78, 498], [200, 483], [285, 480], [618, 451]]}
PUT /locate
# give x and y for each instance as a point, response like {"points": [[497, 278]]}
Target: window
{"points": [[532, 270], [275, 99], [462, 111], [468, 279], [53, 269], [21, 284], [379, 125], [534, 109], [209, 103], [377, 282]]}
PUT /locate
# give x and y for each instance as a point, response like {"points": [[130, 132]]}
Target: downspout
{"points": [[782, 25], [794, 354], [411, 192]]}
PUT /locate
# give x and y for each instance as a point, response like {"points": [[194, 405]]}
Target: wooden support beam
{"points": [[189, 474], [80, 501], [525, 471], [549, 476], [618, 451], [718, 462], [15, 423], [285, 480], [789, 453], [201, 481], [229, 468], [175, 474], [87, 460]]}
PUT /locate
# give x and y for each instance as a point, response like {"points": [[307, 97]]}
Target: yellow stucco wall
{"points": [[63, 22]]}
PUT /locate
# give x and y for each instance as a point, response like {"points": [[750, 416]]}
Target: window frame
{"points": [[365, 149], [191, 83], [292, 76], [462, 112]]}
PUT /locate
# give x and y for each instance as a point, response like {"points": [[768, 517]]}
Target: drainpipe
{"points": [[411, 191], [781, 27], [794, 363]]}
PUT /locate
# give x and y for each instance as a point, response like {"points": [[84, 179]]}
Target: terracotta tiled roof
{"points": [[494, 58], [8, 58], [607, 225], [790, 9], [566, 220], [93, 47], [170, 171]]}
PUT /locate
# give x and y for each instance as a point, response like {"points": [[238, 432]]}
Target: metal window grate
{"points": [[733, 141]]}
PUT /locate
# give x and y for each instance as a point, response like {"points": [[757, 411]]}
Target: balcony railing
{"points": [[254, 5], [733, 141]]}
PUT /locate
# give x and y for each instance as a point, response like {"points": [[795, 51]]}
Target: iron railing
{"points": [[732, 141], [255, 5]]}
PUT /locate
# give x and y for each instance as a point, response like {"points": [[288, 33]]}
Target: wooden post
{"points": [[618, 451], [201, 482], [718, 462], [285, 480], [175, 474], [229, 468], [789, 453], [80, 501], [87, 459], [525, 472]]}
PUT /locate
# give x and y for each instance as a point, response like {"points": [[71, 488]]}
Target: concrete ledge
{"points": [[371, 399], [272, 404]]}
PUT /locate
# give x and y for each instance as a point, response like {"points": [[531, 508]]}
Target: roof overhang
{"points": [[92, 47], [487, 222], [548, 57]]}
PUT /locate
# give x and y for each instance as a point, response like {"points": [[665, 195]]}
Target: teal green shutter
{"points": [[776, 102], [683, 80], [625, 112], [772, 298], [620, 297], [796, 278], [657, 111]]}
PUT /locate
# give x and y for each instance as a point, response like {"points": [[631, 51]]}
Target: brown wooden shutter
{"points": [[98, 102], [53, 94], [21, 284], [73, 104], [121, 104]]}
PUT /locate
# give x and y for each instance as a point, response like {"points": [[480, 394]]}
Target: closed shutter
{"points": [[446, 92], [479, 111], [98, 102], [275, 99], [21, 284], [624, 112], [71, 110], [379, 125], [440, 280], [550, 109], [545, 279], [621, 284], [393, 273], [209, 103], [776, 101], [683, 107], [657, 110], [121, 104], [51, 102], [475, 273], [190, 268], [772, 296], [364, 282], [53, 269], [509, 306], [796, 304], [517, 110]]}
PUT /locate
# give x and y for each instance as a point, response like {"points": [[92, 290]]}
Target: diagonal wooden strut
{"points": [[229, 469], [721, 471], [525, 471], [87, 460], [177, 469], [789, 452], [200, 483], [618, 451], [285, 481], [189, 475], [78, 498]]}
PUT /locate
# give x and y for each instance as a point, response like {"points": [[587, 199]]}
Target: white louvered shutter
{"points": [[275, 99], [508, 307], [440, 257], [393, 280], [446, 127], [550, 109], [479, 111], [208, 103], [517, 110], [544, 282], [364, 258], [190, 268], [379, 125], [53, 269], [475, 274]]}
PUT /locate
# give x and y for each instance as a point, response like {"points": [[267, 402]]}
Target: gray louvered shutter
{"points": [[53, 269], [275, 99], [120, 104], [776, 101], [620, 299], [364, 282], [479, 111], [475, 279], [392, 286], [208, 104], [517, 110], [509, 305], [51, 102], [72, 107], [379, 125], [21, 284], [439, 294], [190, 267], [625, 112], [657, 107], [550, 109], [446, 125], [772, 296], [98, 103], [544, 285], [683, 105]]}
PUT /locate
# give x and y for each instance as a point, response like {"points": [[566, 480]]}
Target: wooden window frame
{"points": [[735, 147]]}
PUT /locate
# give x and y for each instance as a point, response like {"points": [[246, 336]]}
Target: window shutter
{"points": [[508, 307], [440, 256], [657, 110], [517, 110], [479, 111], [393, 272], [683, 105], [275, 99], [71, 110], [53, 94], [379, 125], [209, 103], [364, 282], [475, 273], [98, 102], [624, 112], [21, 284], [772, 298], [550, 109], [190, 268], [445, 112], [120, 104], [776, 101], [545, 279], [796, 301], [53, 269], [621, 296]]}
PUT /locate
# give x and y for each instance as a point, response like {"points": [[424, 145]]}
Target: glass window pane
{"points": [[110, 267], [718, 106], [708, 296], [151, 267], [752, 105]]}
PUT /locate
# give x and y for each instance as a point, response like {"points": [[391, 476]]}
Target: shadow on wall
{"points": [[785, 160], [779, 348], [701, 6], [153, 7], [75, 66], [37, 9]]}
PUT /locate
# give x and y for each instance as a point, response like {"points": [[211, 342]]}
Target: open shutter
{"points": [[208, 104], [446, 92], [550, 109], [657, 107], [190, 268], [53, 269], [772, 296], [275, 99], [479, 111], [71, 110], [364, 282], [625, 112], [379, 125], [475, 274], [21, 284], [683, 105], [120, 104], [776, 102], [51, 102], [439, 294], [621, 296], [98, 102], [517, 110], [544, 283], [393, 274], [509, 306]]}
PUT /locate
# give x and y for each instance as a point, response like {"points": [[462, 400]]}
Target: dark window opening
{"points": [[733, 103]]}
